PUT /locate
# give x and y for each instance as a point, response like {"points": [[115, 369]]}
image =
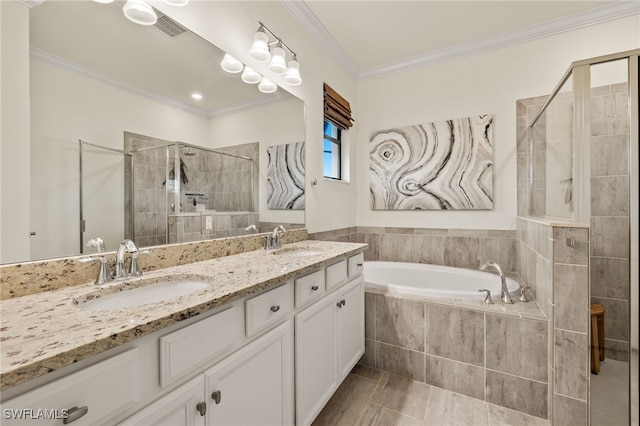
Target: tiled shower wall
{"points": [[554, 262], [610, 214]]}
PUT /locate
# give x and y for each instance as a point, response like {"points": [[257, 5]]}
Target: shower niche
{"points": [[176, 192]]}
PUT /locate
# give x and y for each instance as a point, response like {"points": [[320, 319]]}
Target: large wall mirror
{"points": [[121, 149]]}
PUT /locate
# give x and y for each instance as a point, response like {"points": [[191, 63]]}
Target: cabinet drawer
{"points": [[309, 287], [268, 309], [102, 390], [191, 347], [356, 265], [336, 274]]}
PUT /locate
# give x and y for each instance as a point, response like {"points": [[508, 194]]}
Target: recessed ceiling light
{"points": [[196, 96]]}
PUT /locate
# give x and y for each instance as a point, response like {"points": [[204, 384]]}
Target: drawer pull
{"points": [[217, 396], [74, 414], [344, 302], [360, 264], [314, 288], [275, 308], [341, 303], [202, 408]]}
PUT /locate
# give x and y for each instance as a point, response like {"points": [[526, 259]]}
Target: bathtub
{"points": [[421, 279]]}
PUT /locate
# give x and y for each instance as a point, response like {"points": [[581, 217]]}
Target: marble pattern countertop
{"points": [[44, 332]]}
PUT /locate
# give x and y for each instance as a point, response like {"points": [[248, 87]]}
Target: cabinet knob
{"points": [[275, 308], [202, 408], [74, 414], [344, 302], [217, 396], [314, 288], [341, 303], [360, 264]]}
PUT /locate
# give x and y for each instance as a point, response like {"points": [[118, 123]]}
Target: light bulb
{"points": [[292, 76], [277, 64], [231, 64], [267, 86], [260, 49], [139, 12], [103, 1], [250, 76]]}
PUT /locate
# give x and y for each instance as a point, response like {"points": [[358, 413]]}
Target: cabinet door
{"points": [[179, 407], [315, 358], [350, 330], [254, 386]]}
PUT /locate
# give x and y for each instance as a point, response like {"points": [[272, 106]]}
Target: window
{"points": [[332, 156], [337, 118]]}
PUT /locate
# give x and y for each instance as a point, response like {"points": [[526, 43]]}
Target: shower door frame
{"points": [[580, 72]]}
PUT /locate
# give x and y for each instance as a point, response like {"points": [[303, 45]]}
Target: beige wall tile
{"points": [[396, 248], [610, 237], [517, 346], [399, 361], [571, 297], [571, 355], [462, 252], [576, 255], [456, 334], [427, 249], [616, 318], [459, 377], [400, 322], [610, 196], [569, 411], [609, 277], [518, 394]]}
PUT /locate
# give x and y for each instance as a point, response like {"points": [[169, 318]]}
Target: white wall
{"points": [[485, 83], [230, 26], [14, 175], [275, 123], [65, 107]]}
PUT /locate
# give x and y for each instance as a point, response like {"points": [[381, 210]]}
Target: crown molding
{"points": [[597, 15], [616, 10], [232, 109], [303, 14]]}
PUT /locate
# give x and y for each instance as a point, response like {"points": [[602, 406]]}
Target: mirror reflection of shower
{"points": [[182, 192]]}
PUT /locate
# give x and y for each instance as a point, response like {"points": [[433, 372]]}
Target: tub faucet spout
{"points": [[505, 297]]}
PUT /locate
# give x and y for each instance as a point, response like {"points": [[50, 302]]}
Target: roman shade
{"points": [[336, 108]]}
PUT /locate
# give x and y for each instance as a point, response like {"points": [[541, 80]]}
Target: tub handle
{"points": [[487, 297]]}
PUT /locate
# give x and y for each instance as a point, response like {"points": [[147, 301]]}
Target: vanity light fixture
{"points": [[196, 96], [267, 47], [231, 64], [292, 76], [139, 12], [260, 48], [267, 86], [249, 76]]}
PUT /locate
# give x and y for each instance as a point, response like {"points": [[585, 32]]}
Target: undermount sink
{"points": [[296, 252], [138, 296]]}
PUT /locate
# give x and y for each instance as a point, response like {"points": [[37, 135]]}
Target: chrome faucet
{"points": [[251, 228], [273, 240], [505, 297], [126, 246], [104, 276]]}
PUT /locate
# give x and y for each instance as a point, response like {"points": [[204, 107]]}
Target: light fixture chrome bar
{"points": [[277, 39]]}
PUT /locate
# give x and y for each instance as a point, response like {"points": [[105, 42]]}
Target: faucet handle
{"points": [[104, 275], [487, 297], [134, 269], [523, 294]]}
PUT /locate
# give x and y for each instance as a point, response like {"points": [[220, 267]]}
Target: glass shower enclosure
{"points": [[582, 167]]}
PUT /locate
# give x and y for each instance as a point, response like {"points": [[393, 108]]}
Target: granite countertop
{"points": [[44, 332]]}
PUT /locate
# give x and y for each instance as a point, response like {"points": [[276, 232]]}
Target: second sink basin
{"points": [[296, 252], [151, 293]]}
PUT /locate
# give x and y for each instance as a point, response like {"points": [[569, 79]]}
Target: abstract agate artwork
{"points": [[433, 166], [285, 176]]}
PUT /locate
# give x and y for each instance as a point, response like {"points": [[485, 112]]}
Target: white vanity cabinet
{"points": [[254, 386], [93, 395], [329, 342], [184, 406]]}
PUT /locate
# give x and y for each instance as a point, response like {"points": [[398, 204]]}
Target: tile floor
{"points": [[377, 398], [610, 394]]}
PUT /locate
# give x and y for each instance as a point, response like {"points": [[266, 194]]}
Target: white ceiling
{"points": [[374, 38]]}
